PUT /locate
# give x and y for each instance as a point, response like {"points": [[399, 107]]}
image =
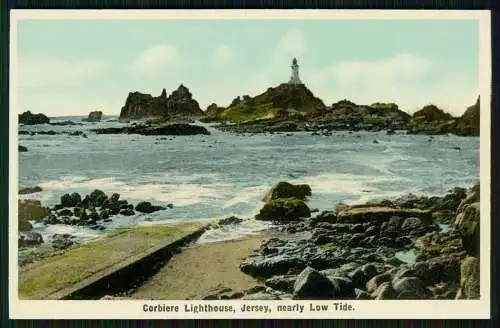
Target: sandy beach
{"points": [[202, 270]]}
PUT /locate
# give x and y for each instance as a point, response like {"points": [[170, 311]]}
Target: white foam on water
{"points": [[247, 227], [247, 195], [78, 232]]}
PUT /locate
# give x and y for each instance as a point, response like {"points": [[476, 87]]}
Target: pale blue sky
{"points": [[73, 67]]}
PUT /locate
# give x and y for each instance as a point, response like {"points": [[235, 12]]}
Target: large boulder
{"points": [[146, 207], [470, 278], [410, 288], [379, 213], [28, 118], [468, 123], [70, 200], [29, 239], [274, 265], [284, 210], [288, 190], [467, 225], [97, 198], [310, 284], [94, 116]]}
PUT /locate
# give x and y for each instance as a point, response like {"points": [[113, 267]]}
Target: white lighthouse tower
{"points": [[295, 73]]}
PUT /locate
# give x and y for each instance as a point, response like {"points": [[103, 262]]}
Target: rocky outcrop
{"points": [[431, 120], [346, 115], [30, 210], [468, 226], [287, 190], [28, 118], [29, 239], [94, 116], [168, 129], [179, 103], [388, 250], [277, 104], [468, 123], [283, 210], [470, 278]]}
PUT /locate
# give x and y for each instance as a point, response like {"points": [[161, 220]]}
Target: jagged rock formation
{"points": [[431, 113], [28, 118], [179, 103], [468, 123], [94, 116]]}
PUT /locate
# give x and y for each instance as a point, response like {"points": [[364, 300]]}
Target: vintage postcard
{"points": [[249, 164]]}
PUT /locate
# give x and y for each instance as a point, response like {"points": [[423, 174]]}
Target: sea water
{"points": [[214, 176]]}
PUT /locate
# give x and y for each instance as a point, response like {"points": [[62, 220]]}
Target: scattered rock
{"points": [[29, 190], [61, 241], [146, 207], [29, 239]]}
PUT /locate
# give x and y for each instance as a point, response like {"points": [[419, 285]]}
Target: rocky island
{"points": [[292, 106], [28, 118], [179, 104]]}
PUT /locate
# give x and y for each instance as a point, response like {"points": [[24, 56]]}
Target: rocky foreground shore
{"points": [[412, 247], [93, 211], [408, 248]]}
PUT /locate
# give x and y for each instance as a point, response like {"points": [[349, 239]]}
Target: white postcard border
{"points": [[134, 309]]}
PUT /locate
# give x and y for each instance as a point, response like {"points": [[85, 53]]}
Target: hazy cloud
{"points": [[409, 80], [292, 44], [156, 58], [223, 56], [52, 72]]}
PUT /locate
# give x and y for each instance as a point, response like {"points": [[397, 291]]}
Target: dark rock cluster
{"points": [[28, 118], [394, 249], [93, 211], [179, 103], [148, 130]]}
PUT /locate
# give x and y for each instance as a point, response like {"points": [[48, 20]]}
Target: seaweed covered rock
{"points": [[467, 225], [30, 211], [469, 278], [378, 213], [283, 210], [288, 190]]}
